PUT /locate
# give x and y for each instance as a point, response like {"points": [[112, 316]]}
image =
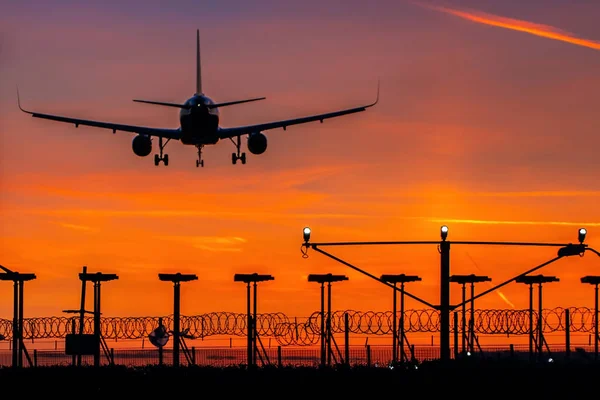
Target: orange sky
{"points": [[492, 131]]}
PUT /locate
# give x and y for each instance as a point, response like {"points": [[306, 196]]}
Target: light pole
{"points": [[251, 323], [594, 280], [322, 279], [536, 280], [177, 279], [18, 346], [97, 279], [402, 280], [463, 280]]}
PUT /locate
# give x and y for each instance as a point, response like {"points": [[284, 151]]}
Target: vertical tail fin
{"points": [[198, 66]]}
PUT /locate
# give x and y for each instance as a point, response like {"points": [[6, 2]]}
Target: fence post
{"points": [[456, 335], [347, 338], [568, 333], [73, 331], [279, 361], [368, 355], [512, 350], [193, 355], [35, 362], [112, 356], [412, 353]]}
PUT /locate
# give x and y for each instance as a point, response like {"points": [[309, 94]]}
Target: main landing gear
{"points": [[160, 157], [238, 156], [199, 161]]}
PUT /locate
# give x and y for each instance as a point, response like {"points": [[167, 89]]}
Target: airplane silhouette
{"points": [[199, 124]]}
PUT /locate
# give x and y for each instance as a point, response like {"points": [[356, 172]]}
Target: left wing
{"points": [[159, 132], [226, 133]]}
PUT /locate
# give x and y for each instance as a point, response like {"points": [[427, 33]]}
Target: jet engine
{"points": [[257, 143], [142, 145]]}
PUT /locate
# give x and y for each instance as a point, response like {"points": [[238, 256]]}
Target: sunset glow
{"points": [[493, 136]]}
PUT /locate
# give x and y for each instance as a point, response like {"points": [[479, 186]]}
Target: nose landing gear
{"points": [[160, 157], [238, 156], [199, 161]]}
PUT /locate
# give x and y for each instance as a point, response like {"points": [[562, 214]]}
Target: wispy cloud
{"points": [[561, 193], [217, 249], [210, 243], [492, 222], [187, 213], [75, 227], [531, 28]]}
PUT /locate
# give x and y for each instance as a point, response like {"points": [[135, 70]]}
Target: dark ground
{"points": [[468, 379]]}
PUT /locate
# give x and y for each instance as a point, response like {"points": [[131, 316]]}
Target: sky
{"points": [[487, 122]]}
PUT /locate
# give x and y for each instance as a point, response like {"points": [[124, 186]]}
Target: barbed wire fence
{"points": [[292, 331]]}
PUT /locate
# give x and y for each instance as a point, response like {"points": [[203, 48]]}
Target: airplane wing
{"points": [[159, 132], [225, 133]]}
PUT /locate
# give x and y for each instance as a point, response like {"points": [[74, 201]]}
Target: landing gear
{"points": [[160, 157], [235, 157], [199, 161], [238, 156]]}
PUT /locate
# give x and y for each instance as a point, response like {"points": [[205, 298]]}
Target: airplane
{"points": [[199, 124]]}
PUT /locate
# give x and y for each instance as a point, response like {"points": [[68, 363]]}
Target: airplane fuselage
{"points": [[200, 122]]}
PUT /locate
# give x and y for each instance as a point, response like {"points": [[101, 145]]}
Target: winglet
{"points": [[19, 103], [376, 98]]}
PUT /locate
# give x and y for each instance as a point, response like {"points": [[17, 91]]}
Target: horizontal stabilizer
{"points": [[185, 106], [231, 103], [160, 103]]}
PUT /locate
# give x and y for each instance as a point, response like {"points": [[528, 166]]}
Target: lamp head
{"points": [[582, 233], [306, 234], [444, 232]]}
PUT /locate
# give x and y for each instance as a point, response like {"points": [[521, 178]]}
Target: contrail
{"points": [[498, 292], [545, 31]]}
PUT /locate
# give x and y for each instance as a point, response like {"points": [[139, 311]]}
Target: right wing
{"points": [[159, 132], [226, 133]]}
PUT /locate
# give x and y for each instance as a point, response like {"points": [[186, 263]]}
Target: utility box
{"points": [[84, 345]]}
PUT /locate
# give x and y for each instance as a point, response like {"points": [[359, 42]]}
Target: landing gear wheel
{"points": [[238, 155], [160, 157], [199, 163]]}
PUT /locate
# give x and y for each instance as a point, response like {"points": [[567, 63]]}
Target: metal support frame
{"points": [[594, 280], [18, 344], [398, 339], [176, 279], [539, 326], [97, 279], [252, 339], [326, 331], [468, 335], [565, 250]]}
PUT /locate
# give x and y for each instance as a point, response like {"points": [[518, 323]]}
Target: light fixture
{"points": [[582, 233], [444, 232], [306, 234]]}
